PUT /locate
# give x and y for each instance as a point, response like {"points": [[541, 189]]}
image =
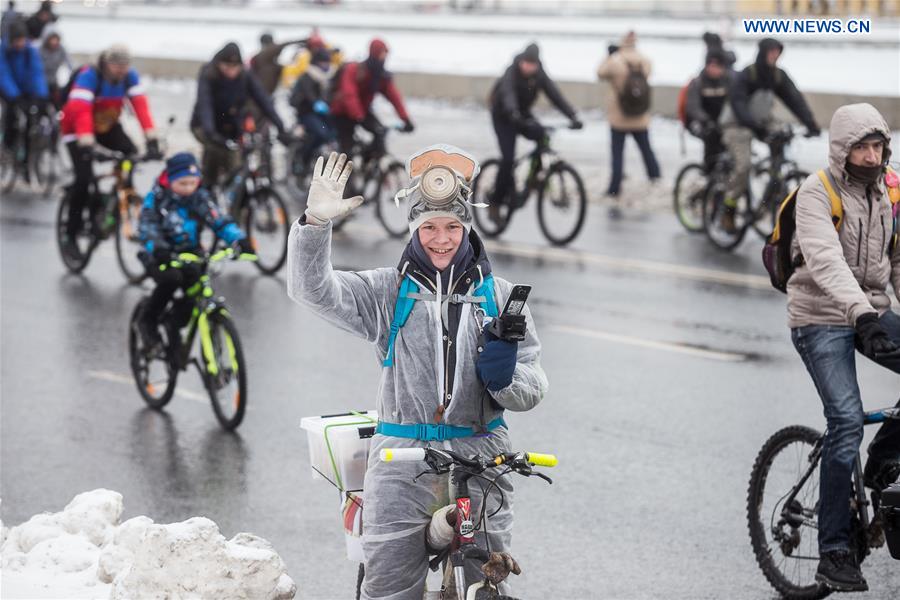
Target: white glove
{"points": [[326, 192]]}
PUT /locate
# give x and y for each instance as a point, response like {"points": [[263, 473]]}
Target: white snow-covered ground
{"points": [[84, 552], [441, 42]]}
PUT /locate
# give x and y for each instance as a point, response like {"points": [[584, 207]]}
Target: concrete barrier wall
{"points": [[582, 94]]}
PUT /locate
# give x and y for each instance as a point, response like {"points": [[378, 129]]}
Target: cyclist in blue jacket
{"points": [[22, 82], [174, 214]]}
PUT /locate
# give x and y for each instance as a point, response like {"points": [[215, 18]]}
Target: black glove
{"points": [[161, 255], [497, 362], [576, 124], [217, 139], [285, 138], [871, 338], [408, 126], [243, 246], [153, 152]]}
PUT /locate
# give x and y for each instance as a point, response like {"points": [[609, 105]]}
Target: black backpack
{"points": [[634, 98], [67, 89]]}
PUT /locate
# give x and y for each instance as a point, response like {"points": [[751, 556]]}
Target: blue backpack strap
{"points": [[486, 289], [402, 310]]}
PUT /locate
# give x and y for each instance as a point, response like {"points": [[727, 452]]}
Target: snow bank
{"points": [[85, 552]]}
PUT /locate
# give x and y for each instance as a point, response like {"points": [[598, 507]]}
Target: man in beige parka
{"points": [[622, 119], [838, 303]]}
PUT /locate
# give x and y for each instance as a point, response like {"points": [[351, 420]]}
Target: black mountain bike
{"points": [[561, 199], [726, 227], [220, 358], [783, 503], [255, 204], [109, 211], [34, 157], [452, 559]]}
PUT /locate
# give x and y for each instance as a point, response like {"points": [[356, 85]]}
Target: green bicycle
{"points": [[220, 360]]}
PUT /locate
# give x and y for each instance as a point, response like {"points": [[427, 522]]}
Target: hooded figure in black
{"points": [[764, 75], [224, 88], [511, 100]]}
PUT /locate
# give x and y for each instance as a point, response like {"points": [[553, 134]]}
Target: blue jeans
{"points": [[829, 353], [618, 157]]}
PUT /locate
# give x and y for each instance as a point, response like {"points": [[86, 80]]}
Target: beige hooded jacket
{"points": [[615, 70], [847, 271]]}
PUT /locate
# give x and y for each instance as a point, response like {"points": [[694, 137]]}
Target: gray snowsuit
{"points": [[397, 510]]}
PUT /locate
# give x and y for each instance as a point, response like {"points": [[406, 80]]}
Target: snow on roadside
{"points": [[84, 552]]}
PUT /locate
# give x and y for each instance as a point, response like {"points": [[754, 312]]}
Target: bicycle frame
{"points": [[205, 303], [869, 418]]}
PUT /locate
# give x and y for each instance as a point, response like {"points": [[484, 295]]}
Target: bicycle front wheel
{"points": [[491, 221], [75, 250], [562, 204], [725, 225], [154, 373], [392, 217], [127, 239], [268, 228], [767, 211], [687, 197], [784, 535], [8, 169], [224, 370]]}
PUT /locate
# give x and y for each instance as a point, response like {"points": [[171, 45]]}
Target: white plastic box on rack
{"points": [[348, 435]]}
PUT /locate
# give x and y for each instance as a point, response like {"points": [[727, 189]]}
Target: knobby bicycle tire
{"points": [[713, 204], [560, 168], [147, 389], [228, 420], [385, 209], [279, 220], [74, 264], [124, 245], [768, 210], [486, 225], [679, 197], [757, 523]]}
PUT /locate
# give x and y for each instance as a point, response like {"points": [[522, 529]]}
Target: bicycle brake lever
{"points": [[542, 476], [425, 472]]}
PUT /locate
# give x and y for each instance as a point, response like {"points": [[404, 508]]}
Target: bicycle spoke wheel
{"points": [[8, 169], [783, 532], [75, 250], [562, 204], [153, 371], [226, 378], [767, 211], [688, 195], [268, 227], [127, 239], [725, 225], [391, 216], [482, 191]]}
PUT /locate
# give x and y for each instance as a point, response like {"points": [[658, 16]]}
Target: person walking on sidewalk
{"points": [[628, 110]]}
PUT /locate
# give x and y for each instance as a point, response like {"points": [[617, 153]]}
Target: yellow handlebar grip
{"points": [[541, 460]]}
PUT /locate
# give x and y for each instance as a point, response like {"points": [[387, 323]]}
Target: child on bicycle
{"points": [[174, 214]]}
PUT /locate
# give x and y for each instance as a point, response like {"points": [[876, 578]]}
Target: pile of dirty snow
{"points": [[85, 552]]}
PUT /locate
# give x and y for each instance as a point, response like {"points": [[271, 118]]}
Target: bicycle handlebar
{"points": [[510, 458], [225, 253]]}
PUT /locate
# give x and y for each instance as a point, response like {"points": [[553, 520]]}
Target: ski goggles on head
{"points": [[441, 175], [443, 155]]}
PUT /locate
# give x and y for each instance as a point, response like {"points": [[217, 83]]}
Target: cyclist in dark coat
{"points": [[224, 89], [511, 100]]}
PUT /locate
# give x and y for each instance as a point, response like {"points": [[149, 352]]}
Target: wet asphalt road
{"points": [[666, 375]]}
